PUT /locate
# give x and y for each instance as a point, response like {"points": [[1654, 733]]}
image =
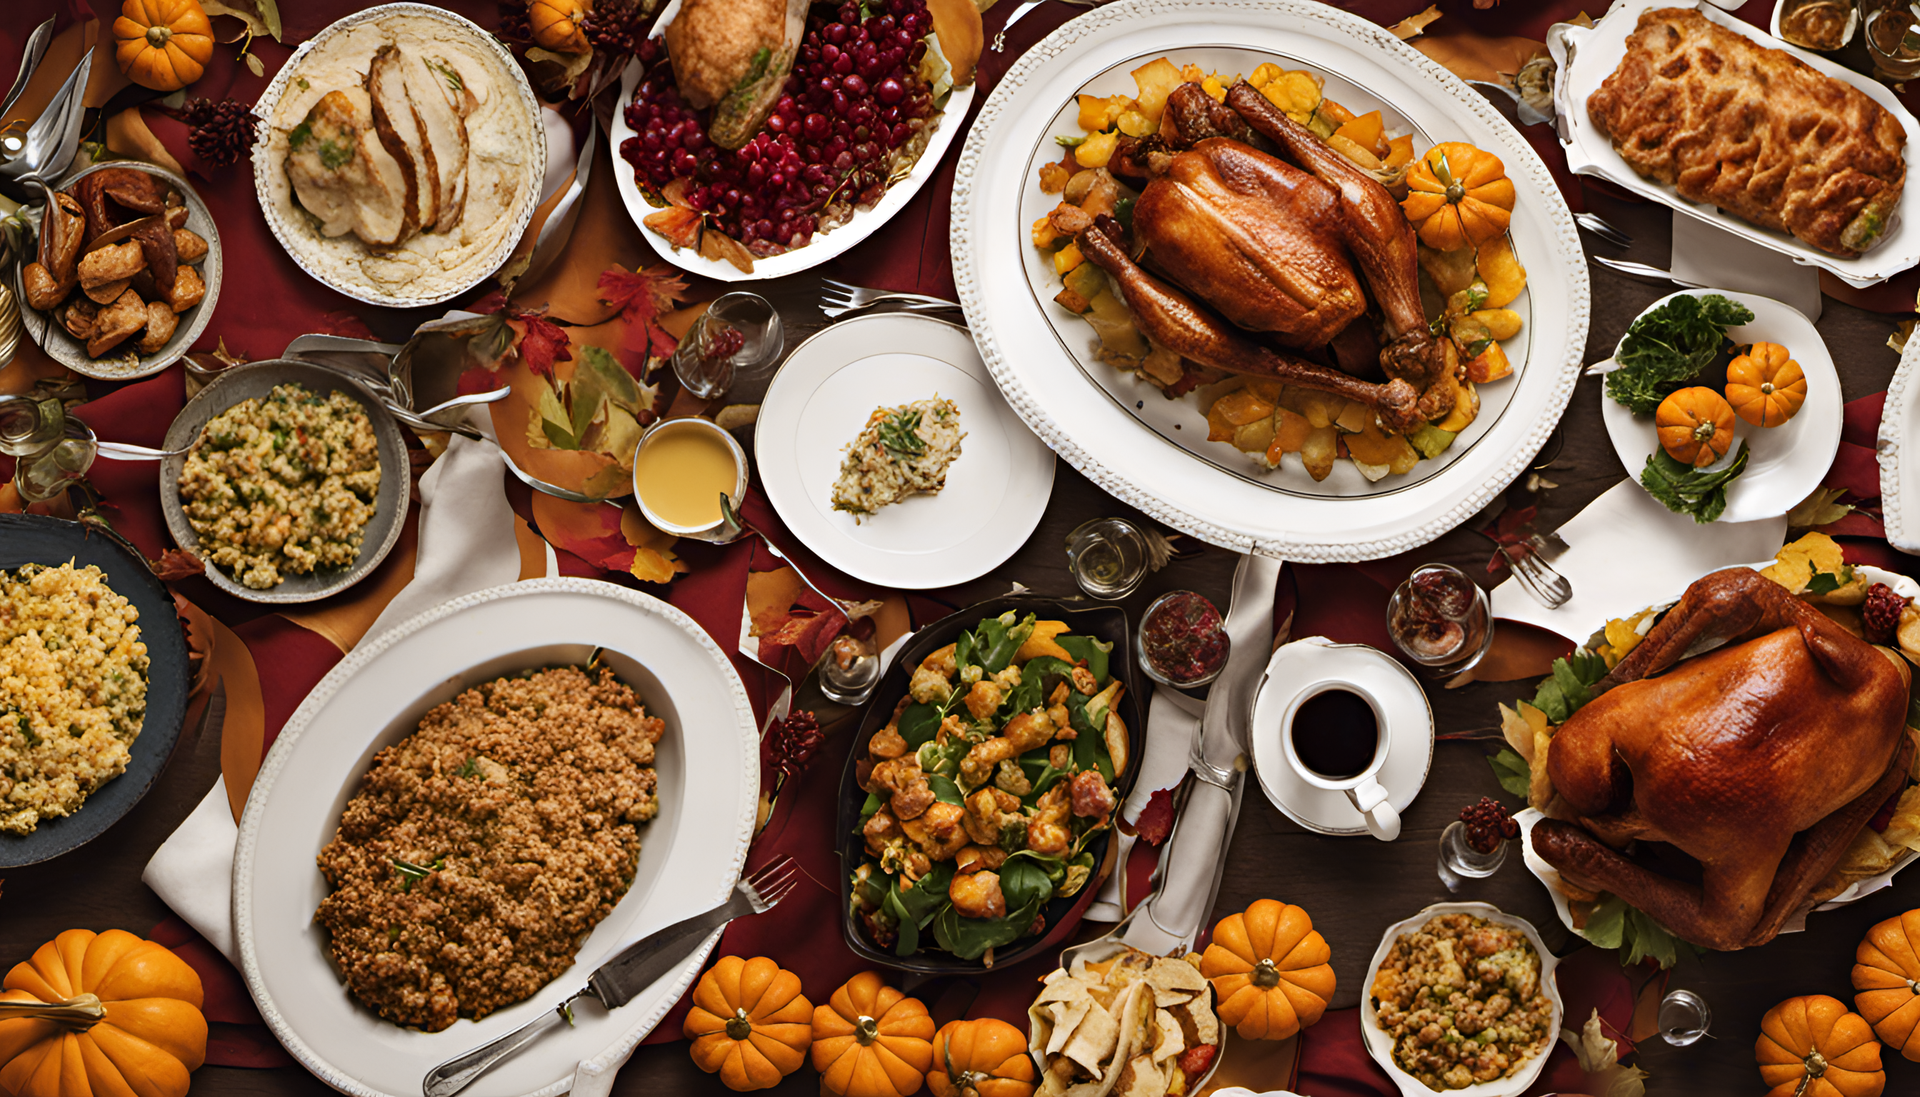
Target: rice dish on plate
{"points": [[902, 451]]}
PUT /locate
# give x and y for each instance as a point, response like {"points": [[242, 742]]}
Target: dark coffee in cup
{"points": [[1335, 734]]}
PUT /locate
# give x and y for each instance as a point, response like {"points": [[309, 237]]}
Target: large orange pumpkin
{"points": [[124, 1018], [870, 1040], [1765, 385], [1812, 1047], [1695, 426], [1269, 970], [1458, 196], [162, 44], [749, 1023], [1886, 973], [986, 1057]]}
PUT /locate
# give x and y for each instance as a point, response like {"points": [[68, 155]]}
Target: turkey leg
{"points": [[1172, 320]]}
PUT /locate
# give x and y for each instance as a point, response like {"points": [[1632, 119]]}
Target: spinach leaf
{"points": [[970, 938], [1094, 653], [1038, 668], [918, 724], [1089, 745], [1040, 774], [918, 905], [1670, 346], [1614, 924], [872, 805], [1025, 883], [1687, 490], [996, 657], [944, 790]]}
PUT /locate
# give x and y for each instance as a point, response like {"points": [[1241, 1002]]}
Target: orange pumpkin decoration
{"points": [[1886, 973], [981, 1058], [1458, 196], [1765, 386], [1695, 426], [556, 24], [1812, 1047], [123, 1017], [162, 44], [1269, 970], [749, 1023], [871, 1040]]}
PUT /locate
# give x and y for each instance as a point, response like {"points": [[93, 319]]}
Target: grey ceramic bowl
{"points": [[258, 379], [126, 366]]}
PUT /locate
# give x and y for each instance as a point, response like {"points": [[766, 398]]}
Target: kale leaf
{"points": [[1669, 346], [1687, 490]]}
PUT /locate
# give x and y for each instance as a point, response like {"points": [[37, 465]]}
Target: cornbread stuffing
{"points": [[1462, 1000], [482, 849]]}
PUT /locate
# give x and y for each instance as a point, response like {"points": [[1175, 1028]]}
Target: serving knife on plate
{"points": [[617, 981]]}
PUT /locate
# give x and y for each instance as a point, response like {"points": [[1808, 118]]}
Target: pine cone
{"points": [[1880, 613], [513, 22], [220, 134], [794, 742]]}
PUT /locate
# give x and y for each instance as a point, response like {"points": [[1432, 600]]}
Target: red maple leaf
{"points": [[542, 343], [643, 296], [1156, 819], [1512, 532]]}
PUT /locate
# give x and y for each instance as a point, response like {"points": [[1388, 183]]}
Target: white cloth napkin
{"points": [[1627, 551], [1172, 717], [1706, 255]]}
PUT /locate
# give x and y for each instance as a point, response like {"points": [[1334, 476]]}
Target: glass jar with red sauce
{"points": [[1182, 640]]}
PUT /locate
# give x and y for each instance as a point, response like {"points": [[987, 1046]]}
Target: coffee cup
{"points": [[1334, 736]]}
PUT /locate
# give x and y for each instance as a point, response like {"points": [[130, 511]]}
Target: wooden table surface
{"points": [[1354, 887]]}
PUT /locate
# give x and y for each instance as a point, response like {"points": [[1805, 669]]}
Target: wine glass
{"points": [[1108, 557], [737, 339]]}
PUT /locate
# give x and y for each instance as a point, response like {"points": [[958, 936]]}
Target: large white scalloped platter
{"points": [[1587, 56], [1900, 472], [1054, 384], [690, 854], [825, 245]]}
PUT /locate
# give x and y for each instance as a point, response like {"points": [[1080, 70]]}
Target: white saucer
{"points": [[1409, 724]]}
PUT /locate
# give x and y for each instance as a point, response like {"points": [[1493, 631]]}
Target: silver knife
{"points": [[616, 982]]}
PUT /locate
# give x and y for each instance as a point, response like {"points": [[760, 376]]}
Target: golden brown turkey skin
{"points": [[1761, 759], [1255, 238]]}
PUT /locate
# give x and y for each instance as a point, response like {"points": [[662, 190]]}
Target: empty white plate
{"points": [[822, 397], [1784, 463]]}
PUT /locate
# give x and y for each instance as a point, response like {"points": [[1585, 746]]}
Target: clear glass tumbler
{"points": [[1440, 620], [43, 474], [738, 338], [1108, 557], [1458, 856], [29, 423], [1684, 1017]]}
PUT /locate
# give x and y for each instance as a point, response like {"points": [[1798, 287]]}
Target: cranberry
{"points": [[855, 84], [816, 126], [842, 65]]}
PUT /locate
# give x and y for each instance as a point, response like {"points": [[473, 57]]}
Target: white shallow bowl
{"points": [[1587, 56], [825, 245], [690, 856], [1899, 446], [297, 230], [996, 491], [1381, 1047], [1158, 460], [1784, 463]]}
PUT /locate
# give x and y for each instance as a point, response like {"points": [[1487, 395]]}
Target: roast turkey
{"points": [[343, 175]]}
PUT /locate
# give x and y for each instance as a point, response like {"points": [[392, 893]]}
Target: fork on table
{"points": [[838, 299]]}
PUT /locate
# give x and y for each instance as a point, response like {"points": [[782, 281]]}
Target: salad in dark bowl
{"points": [[979, 800]]}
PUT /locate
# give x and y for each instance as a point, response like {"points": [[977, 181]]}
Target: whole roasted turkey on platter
{"points": [[1261, 237], [1760, 760]]}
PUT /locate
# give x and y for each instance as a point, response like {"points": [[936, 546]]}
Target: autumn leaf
{"points": [[542, 343], [1156, 819], [643, 296], [177, 564]]}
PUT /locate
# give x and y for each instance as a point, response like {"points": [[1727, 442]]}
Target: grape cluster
{"points": [[1488, 824], [853, 106], [1880, 613]]}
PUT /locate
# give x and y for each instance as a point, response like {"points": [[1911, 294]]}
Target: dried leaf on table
{"points": [[1480, 57], [1819, 509], [176, 564], [735, 416], [260, 16], [600, 534], [555, 72], [643, 297], [1156, 819], [653, 559], [1600, 1058], [1902, 331], [809, 625], [128, 135], [770, 598], [1412, 25]]}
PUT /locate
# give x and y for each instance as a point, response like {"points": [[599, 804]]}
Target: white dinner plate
{"points": [[1899, 445], [1784, 463], [825, 245], [1152, 452], [996, 491], [1587, 56], [1316, 659], [690, 856], [1380, 1045]]}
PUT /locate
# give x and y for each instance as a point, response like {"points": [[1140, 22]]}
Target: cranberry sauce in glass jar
{"points": [[855, 112], [1182, 640], [1440, 619]]}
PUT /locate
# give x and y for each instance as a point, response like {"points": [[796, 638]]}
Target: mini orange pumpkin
{"points": [[986, 1057], [1269, 970], [1886, 973], [1812, 1047], [1765, 386], [1695, 426], [124, 1017], [163, 44], [749, 1023], [1458, 196], [556, 24], [871, 1040]]}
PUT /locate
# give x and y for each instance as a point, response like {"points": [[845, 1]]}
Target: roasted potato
{"points": [[188, 290], [116, 322], [161, 322]]}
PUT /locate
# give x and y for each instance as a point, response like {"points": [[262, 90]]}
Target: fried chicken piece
{"points": [[1047, 830], [189, 245], [978, 895], [161, 322], [113, 263], [904, 783], [1022, 733], [116, 322], [879, 829], [1091, 797], [940, 831], [188, 290]]}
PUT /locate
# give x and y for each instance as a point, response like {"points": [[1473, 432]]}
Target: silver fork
{"points": [[841, 298], [1642, 270], [1019, 13], [1537, 577], [619, 979], [1603, 228]]}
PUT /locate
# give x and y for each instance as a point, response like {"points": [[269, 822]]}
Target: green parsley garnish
{"points": [[299, 135], [409, 872], [898, 438]]}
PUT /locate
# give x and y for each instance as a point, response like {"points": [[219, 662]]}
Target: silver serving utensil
{"points": [[127, 451], [47, 147], [1537, 577], [619, 979], [1604, 229], [1019, 13], [851, 692], [837, 299], [37, 44], [370, 363], [1642, 270]]}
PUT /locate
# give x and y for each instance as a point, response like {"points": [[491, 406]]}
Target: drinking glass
{"points": [[1893, 37], [738, 338], [1684, 1017], [1108, 557], [1458, 857], [849, 670], [41, 475], [29, 423], [1440, 620]]}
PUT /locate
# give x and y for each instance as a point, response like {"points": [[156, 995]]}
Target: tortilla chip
{"points": [[1198, 1023], [1171, 1041], [1140, 1078], [1057, 1014], [1094, 1041], [1175, 977]]}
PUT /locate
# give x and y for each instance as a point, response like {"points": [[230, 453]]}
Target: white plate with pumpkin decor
{"points": [[1784, 463], [1487, 934], [706, 773]]}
